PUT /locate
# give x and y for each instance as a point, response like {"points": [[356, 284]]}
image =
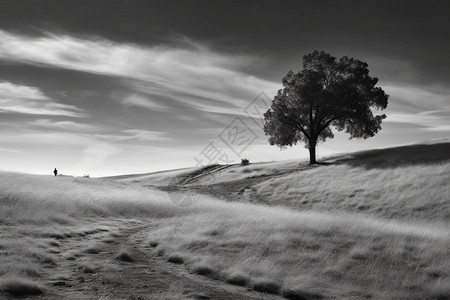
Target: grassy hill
{"points": [[370, 224], [408, 183]]}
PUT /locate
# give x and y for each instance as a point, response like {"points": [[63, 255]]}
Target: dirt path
{"points": [[241, 190], [88, 267]]}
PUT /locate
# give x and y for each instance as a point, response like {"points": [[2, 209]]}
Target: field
{"points": [[372, 224]]}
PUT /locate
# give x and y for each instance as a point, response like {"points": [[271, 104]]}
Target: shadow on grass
{"points": [[399, 156]]}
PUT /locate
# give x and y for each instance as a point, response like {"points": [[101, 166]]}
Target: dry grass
{"points": [[17, 286], [375, 232], [410, 192], [325, 255], [124, 255]]}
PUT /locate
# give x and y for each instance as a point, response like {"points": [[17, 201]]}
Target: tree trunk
{"points": [[312, 152]]}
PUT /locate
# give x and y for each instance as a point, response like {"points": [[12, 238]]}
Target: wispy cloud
{"points": [[63, 125], [135, 134], [23, 99], [141, 101], [10, 90], [10, 150], [428, 108], [175, 71], [429, 120]]}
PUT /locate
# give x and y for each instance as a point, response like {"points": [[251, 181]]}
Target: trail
{"points": [[148, 276], [240, 190]]}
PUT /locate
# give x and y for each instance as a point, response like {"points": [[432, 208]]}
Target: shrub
{"points": [[245, 162], [176, 259]]}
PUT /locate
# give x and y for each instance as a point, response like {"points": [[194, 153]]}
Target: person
{"points": [[55, 172]]}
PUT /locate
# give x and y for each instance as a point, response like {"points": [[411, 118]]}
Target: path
{"points": [[88, 268]]}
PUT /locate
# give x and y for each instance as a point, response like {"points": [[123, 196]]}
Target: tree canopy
{"points": [[326, 92]]}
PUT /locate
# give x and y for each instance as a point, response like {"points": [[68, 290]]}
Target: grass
{"points": [[124, 256], [238, 278], [176, 259], [320, 251], [20, 286], [355, 231], [410, 192], [264, 286]]}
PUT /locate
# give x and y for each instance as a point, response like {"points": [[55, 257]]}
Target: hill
{"points": [[408, 182], [347, 229]]}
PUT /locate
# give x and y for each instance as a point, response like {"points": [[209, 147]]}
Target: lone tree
{"points": [[326, 92]]}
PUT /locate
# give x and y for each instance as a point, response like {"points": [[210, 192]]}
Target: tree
{"points": [[326, 92]]}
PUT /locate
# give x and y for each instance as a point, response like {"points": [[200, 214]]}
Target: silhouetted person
{"points": [[55, 172]]}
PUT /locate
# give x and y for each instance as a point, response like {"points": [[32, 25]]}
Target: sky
{"points": [[120, 87]]}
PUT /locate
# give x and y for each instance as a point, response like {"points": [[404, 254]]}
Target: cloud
{"points": [[142, 102], [23, 99], [135, 134], [10, 90], [10, 150], [64, 125], [95, 154], [417, 99], [190, 68], [428, 107], [429, 120]]}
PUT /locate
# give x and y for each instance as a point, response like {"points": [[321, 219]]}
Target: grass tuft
{"points": [[92, 250], [176, 259], [20, 287], [300, 294], [204, 270], [153, 244], [124, 256], [87, 268], [441, 291], [44, 258], [54, 243], [265, 286], [238, 279]]}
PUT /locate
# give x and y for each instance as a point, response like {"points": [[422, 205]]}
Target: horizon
{"points": [[110, 88]]}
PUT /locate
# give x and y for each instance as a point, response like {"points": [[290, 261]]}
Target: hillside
{"points": [[347, 229], [409, 182]]}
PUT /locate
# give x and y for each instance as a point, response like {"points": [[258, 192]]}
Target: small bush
{"points": [[204, 270], [238, 279], [20, 287], [124, 256], [44, 258], [30, 271], [54, 243], [176, 259], [88, 269], [268, 287], [245, 162], [92, 250], [153, 244]]}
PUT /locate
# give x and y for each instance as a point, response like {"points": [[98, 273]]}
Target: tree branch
{"points": [[325, 125]]}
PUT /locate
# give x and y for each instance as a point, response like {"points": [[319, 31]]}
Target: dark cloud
{"points": [[414, 31]]}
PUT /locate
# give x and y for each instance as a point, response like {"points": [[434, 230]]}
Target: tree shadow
{"points": [[399, 156]]}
